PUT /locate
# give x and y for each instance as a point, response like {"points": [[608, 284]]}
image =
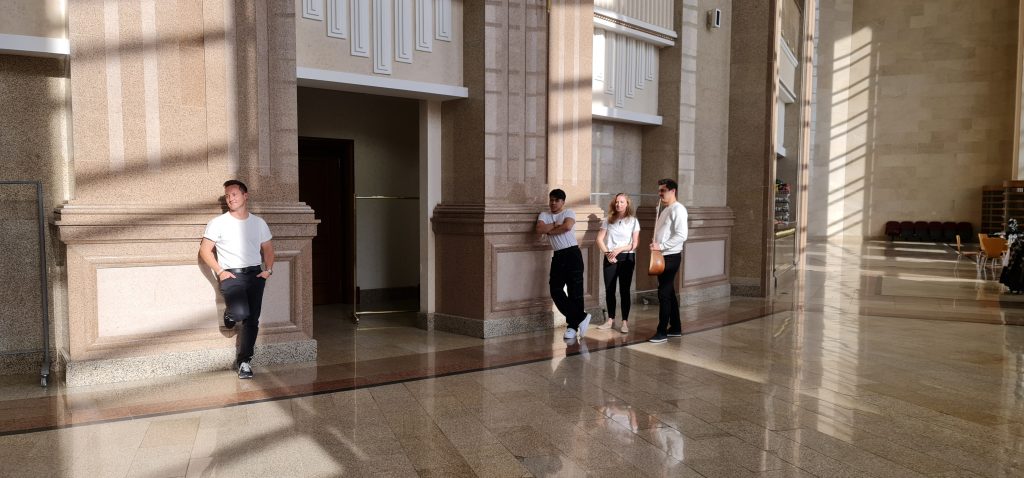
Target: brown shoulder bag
{"points": [[657, 265]]}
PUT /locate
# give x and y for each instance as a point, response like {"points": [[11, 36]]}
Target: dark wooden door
{"points": [[327, 184]]}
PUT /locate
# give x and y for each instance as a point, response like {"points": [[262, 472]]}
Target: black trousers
{"points": [[622, 273], [243, 296], [668, 303], [567, 272]]}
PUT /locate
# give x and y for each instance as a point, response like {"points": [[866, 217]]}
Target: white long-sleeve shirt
{"points": [[671, 229]]}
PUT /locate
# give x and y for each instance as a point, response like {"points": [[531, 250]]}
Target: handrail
{"points": [[44, 295], [387, 197]]}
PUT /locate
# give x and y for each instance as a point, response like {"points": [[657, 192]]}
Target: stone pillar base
{"points": [[92, 372], [140, 303], [686, 296], [21, 362], [484, 329], [492, 269], [497, 327]]}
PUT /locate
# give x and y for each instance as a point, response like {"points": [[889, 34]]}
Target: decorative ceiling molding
{"points": [[382, 47], [360, 28], [384, 31], [337, 19], [443, 19], [424, 25], [313, 9], [379, 85], [630, 26]]}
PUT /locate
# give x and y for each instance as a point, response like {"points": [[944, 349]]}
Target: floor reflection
{"points": [[864, 365]]}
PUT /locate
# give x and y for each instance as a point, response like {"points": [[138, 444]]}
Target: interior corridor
{"points": [[880, 359]]}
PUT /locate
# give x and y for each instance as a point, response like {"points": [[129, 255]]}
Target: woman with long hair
{"points": [[620, 232]]}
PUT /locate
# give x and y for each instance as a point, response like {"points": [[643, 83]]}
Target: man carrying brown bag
{"points": [[670, 232]]}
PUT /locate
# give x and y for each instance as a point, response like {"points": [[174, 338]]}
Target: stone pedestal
{"points": [[169, 101], [753, 90], [524, 130], [704, 272], [493, 269], [142, 305]]}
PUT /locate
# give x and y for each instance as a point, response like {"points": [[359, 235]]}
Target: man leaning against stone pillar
{"points": [[243, 248], [566, 264]]}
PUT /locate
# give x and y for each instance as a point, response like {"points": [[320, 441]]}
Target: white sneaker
{"points": [[607, 324], [244, 371], [625, 327], [570, 334], [583, 326]]}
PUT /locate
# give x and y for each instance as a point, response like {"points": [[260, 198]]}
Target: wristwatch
{"points": [[269, 272]]}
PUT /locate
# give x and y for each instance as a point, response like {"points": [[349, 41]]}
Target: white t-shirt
{"points": [[565, 239], [620, 233], [238, 241]]}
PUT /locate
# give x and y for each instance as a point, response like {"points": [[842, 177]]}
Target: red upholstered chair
{"points": [[921, 231], [948, 231], [965, 230], [906, 231], [892, 229]]}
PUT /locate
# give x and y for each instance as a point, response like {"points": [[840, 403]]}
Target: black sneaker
{"points": [[674, 334], [228, 323], [658, 339], [244, 370]]}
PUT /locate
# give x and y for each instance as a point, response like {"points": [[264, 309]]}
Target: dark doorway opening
{"points": [[327, 184]]}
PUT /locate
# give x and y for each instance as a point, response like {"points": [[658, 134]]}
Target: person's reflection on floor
{"points": [[622, 413]]}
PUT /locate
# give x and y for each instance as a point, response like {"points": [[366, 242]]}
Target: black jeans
{"points": [[668, 303], [243, 297], [567, 270], [622, 272]]}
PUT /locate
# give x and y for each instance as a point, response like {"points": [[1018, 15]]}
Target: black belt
{"points": [[245, 270]]}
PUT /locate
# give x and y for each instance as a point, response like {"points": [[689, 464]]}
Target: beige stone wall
{"points": [[692, 144], [168, 100], [915, 110], [711, 128], [38, 18], [617, 149], [172, 103], [441, 65], [752, 89], [32, 147], [504, 119], [525, 128]]}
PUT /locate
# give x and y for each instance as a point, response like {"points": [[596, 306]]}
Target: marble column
{"points": [[752, 91], [169, 100], [689, 146], [499, 164]]}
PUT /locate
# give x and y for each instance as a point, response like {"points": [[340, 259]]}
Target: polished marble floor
{"points": [[875, 359]]}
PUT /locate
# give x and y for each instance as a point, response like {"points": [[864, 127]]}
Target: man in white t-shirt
{"points": [[566, 264], [670, 231], [243, 247]]}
